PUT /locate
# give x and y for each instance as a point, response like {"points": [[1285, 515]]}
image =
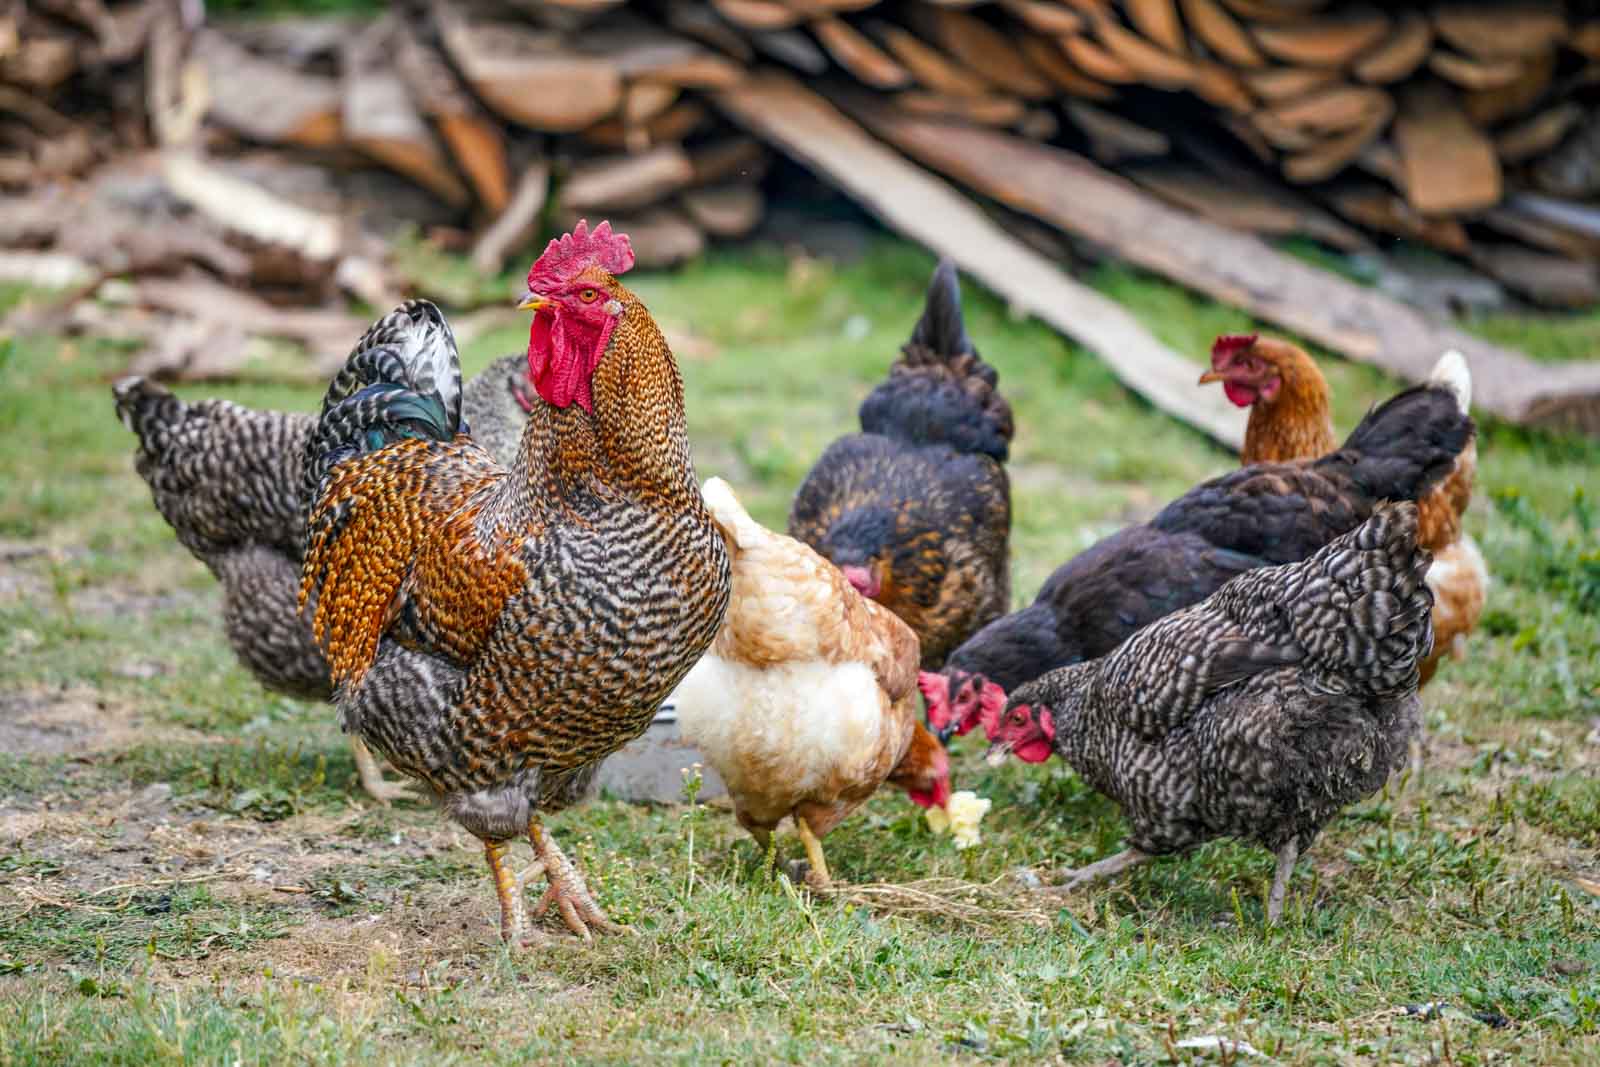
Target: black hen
{"points": [[916, 508], [1261, 515], [230, 481], [1258, 713]]}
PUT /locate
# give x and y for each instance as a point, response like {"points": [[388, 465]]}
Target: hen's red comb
{"points": [[567, 255], [1230, 343]]}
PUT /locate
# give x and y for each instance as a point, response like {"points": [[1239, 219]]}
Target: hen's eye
{"points": [[588, 296]]}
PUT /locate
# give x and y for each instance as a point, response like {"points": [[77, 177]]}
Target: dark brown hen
{"points": [[1262, 515], [1259, 713], [496, 631], [228, 479], [916, 508]]}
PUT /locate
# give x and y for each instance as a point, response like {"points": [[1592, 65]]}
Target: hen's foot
{"points": [[1071, 879], [513, 923], [1280, 881], [567, 891], [817, 876], [377, 786]]}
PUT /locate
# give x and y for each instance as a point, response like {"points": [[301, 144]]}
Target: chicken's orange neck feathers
{"points": [[1295, 423]]}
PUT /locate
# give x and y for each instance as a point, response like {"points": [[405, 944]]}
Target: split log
{"points": [[987, 51], [1322, 161], [1222, 33], [1516, 97], [1551, 280], [1095, 61], [1478, 75], [928, 210], [1148, 63], [516, 223], [1048, 58], [624, 183], [264, 101], [1158, 21], [532, 78], [1399, 55], [476, 142], [1242, 202], [725, 211], [1449, 166], [856, 53], [1273, 84], [1113, 137], [934, 70], [1331, 41], [1501, 30], [1238, 269], [1538, 134]]}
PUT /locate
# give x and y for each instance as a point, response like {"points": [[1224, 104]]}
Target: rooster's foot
{"points": [[377, 786], [567, 891], [1072, 879]]}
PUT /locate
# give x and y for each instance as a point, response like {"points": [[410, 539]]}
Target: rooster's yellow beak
{"points": [[532, 301], [1210, 376]]}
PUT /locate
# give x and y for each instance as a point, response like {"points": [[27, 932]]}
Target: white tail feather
{"points": [[1452, 373], [729, 515]]}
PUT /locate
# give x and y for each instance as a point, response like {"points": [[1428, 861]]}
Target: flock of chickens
{"points": [[499, 582]]}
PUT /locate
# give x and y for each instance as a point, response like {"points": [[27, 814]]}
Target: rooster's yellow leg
{"points": [[372, 780], [567, 889], [512, 921], [818, 875]]}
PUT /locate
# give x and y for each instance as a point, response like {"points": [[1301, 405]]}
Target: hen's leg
{"points": [[1280, 881], [512, 920], [818, 875], [372, 780], [567, 889], [1076, 878]]}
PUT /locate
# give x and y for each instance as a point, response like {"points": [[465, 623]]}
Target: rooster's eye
{"points": [[588, 296]]}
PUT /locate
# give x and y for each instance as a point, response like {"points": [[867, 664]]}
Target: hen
{"points": [[1262, 515], [228, 480], [1288, 401], [1258, 713], [807, 701], [916, 508], [496, 631]]}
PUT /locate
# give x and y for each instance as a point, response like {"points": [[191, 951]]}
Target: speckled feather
{"points": [[1262, 711], [229, 481], [500, 630], [1257, 516], [923, 488]]}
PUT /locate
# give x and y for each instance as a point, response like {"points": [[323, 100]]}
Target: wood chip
{"points": [[1477, 74], [725, 211], [1285, 83], [1331, 41], [1449, 166], [1148, 63], [1095, 61], [1158, 21], [855, 52], [987, 51], [516, 223], [1221, 32], [931, 68], [1044, 17], [1491, 106], [1113, 137], [1334, 109], [1047, 57], [1219, 85], [1501, 30], [263, 100], [1322, 161], [1398, 55], [1379, 209], [1537, 134]]}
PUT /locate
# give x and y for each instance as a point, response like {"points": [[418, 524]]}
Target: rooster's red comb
{"points": [[571, 253], [1229, 344]]}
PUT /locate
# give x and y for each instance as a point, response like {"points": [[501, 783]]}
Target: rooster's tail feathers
{"points": [[1452, 373], [940, 391], [403, 380]]}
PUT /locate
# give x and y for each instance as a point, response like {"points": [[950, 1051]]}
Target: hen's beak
{"points": [[997, 754], [532, 301], [1211, 376]]}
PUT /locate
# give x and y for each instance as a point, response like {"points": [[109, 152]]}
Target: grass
{"points": [[191, 875]]}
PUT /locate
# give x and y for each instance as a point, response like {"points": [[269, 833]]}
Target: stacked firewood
{"points": [[1470, 127]]}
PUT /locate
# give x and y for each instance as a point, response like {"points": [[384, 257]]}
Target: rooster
{"points": [[1288, 401], [1258, 713], [497, 630], [807, 701], [916, 508], [228, 480], [1261, 515]]}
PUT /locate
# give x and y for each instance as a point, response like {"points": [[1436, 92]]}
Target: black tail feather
{"points": [[942, 330]]}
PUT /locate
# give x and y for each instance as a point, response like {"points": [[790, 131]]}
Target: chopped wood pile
{"points": [[1470, 127]]}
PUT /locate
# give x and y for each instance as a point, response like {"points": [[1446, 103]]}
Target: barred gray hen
{"points": [[229, 480], [916, 508], [1258, 713]]}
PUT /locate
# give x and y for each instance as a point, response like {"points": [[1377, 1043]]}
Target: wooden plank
{"points": [[1237, 269], [932, 212]]}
